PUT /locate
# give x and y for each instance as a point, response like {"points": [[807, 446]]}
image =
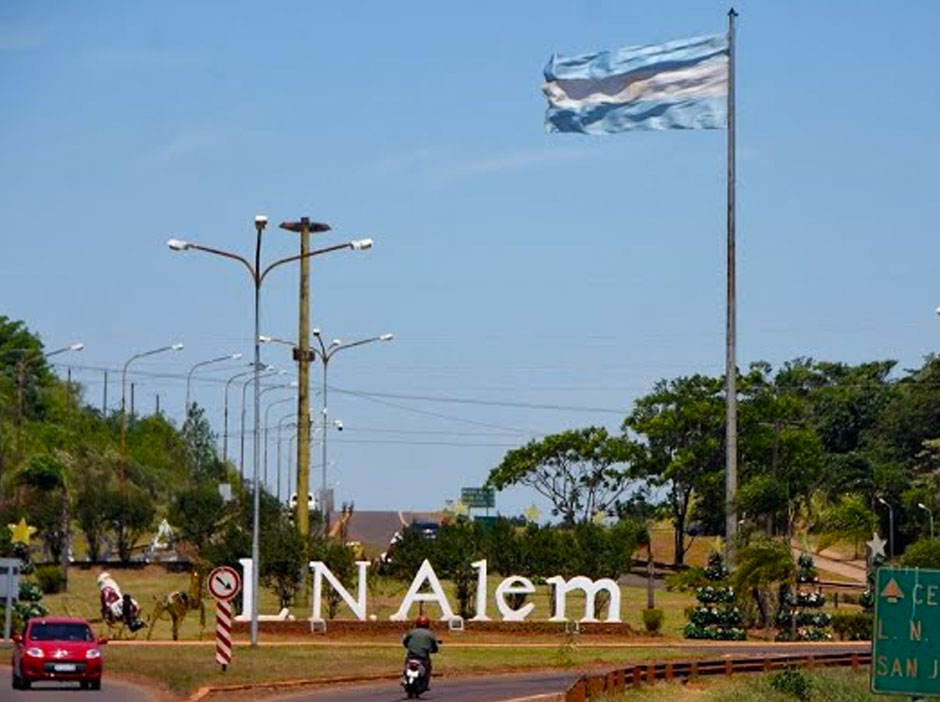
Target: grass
{"points": [[834, 685], [184, 668]]}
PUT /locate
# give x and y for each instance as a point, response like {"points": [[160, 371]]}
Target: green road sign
{"points": [[478, 497], [906, 640]]}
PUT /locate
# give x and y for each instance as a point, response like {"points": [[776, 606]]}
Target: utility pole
{"points": [[104, 397], [303, 355]]}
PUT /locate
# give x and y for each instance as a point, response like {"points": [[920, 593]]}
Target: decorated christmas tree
{"points": [[716, 616], [876, 559], [800, 617], [28, 604]]}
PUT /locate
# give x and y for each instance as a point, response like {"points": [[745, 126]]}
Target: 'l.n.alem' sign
{"points": [[426, 587]]}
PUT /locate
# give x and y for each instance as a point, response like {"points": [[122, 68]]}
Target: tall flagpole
{"points": [[731, 366]]}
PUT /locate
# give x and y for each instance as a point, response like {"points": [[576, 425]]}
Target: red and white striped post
{"points": [[224, 584], [223, 633]]}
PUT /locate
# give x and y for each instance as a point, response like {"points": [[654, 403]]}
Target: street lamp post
{"points": [[225, 410], [890, 527], [189, 376], [171, 347], [257, 276], [241, 450], [924, 507], [23, 364], [268, 409], [326, 353]]}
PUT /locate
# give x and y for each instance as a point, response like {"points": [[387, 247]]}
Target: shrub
{"points": [[792, 682], [50, 579], [922, 554], [686, 580], [854, 626], [653, 620]]}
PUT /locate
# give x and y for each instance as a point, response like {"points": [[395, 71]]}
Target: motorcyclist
{"points": [[421, 643]]}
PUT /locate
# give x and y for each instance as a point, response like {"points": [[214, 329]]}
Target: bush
{"points": [[50, 579], [686, 580], [852, 626], [922, 554], [653, 620], [792, 682]]}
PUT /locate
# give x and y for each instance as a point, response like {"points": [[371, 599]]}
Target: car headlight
{"points": [[35, 652], [93, 653]]}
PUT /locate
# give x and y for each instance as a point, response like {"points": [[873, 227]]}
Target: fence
{"points": [[589, 686]]}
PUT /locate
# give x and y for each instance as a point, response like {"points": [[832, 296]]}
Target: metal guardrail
{"points": [[616, 681]]}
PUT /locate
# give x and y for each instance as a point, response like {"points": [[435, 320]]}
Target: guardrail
{"points": [[616, 681]]}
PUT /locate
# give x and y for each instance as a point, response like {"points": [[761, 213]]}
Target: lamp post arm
{"points": [[353, 344], [298, 257], [228, 254]]}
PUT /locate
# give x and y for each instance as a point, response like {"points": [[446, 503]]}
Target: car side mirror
{"points": [[17, 638], [102, 640]]}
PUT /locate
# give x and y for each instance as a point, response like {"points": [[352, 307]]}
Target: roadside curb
{"points": [[205, 692]]}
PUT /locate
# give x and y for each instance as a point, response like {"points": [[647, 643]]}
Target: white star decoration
{"points": [[876, 546]]}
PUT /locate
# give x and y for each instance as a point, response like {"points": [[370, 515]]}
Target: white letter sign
{"points": [[425, 572]]}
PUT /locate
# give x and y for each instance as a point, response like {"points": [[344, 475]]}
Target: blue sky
{"points": [[514, 267]]}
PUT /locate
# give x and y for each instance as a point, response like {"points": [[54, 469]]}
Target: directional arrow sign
{"points": [[224, 583]]}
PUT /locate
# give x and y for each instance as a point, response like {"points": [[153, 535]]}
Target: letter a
{"points": [[414, 594]]}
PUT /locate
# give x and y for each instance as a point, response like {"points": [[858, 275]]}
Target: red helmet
{"points": [[422, 621]]}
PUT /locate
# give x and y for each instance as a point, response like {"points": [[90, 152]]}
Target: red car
{"points": [[57, 648]]}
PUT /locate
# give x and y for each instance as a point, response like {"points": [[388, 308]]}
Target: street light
{"points": [[189, 377], [225, 411], [27, 356], [292, 384], [924, 507], [241, 451], [890, 527], [171, 347], [258, 275], [326, 353]]}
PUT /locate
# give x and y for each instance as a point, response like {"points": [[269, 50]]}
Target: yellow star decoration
{"points": [[599, 517], [460, 509], [21, 532], [533, 513]]}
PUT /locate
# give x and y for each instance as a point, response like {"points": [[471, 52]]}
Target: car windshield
{"points": [[57, 631]]}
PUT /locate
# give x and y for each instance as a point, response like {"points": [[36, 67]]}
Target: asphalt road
{"points": [[488, 689], [111, 691], [510, 687]]}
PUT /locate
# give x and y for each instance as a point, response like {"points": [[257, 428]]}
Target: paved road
{"points": [[510, 687], [111, 691], [488, 689]]}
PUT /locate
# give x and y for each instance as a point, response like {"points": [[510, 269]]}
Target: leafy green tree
{"points": [[457, 546], [849, 519], [282, 560], [131, 511], [581, 471], [195, 513], [501, 546], [761, 565], [922, 554], [682, 424], [199, 440], [43, 485]]}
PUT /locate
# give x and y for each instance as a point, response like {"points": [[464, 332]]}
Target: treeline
{"points": [[823, 448], [62, 468]]}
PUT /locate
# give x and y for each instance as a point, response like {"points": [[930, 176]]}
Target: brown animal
{"points": [[178, 604]]}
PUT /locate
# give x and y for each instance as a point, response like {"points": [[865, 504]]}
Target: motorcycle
{"points": [[415, 677]]}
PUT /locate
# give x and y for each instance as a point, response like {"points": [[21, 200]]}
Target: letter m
{"points": [[590, 589]]}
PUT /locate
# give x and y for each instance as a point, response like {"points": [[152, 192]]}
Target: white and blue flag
{"points": [[677, 85]]}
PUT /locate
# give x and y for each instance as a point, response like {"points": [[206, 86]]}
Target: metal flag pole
{"points": [[731, 369]]}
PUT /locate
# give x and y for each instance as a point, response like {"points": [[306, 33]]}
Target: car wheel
{"points": [[25, 684], [15, 682], [95, 684]]}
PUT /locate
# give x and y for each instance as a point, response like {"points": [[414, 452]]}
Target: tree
{"points": [[581, 471], [922, 554], [850, 519], [195, 513], [341, 560], [762, 564], [682, 425], [43, 482], [457, 546], [131, 511], [282, 560], [200, 445]]}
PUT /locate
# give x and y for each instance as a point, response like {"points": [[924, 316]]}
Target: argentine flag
{"points": [[677, 85]]}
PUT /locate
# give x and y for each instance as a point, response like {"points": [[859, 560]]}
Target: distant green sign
{"points": [[480, 497], [906, 640]]}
